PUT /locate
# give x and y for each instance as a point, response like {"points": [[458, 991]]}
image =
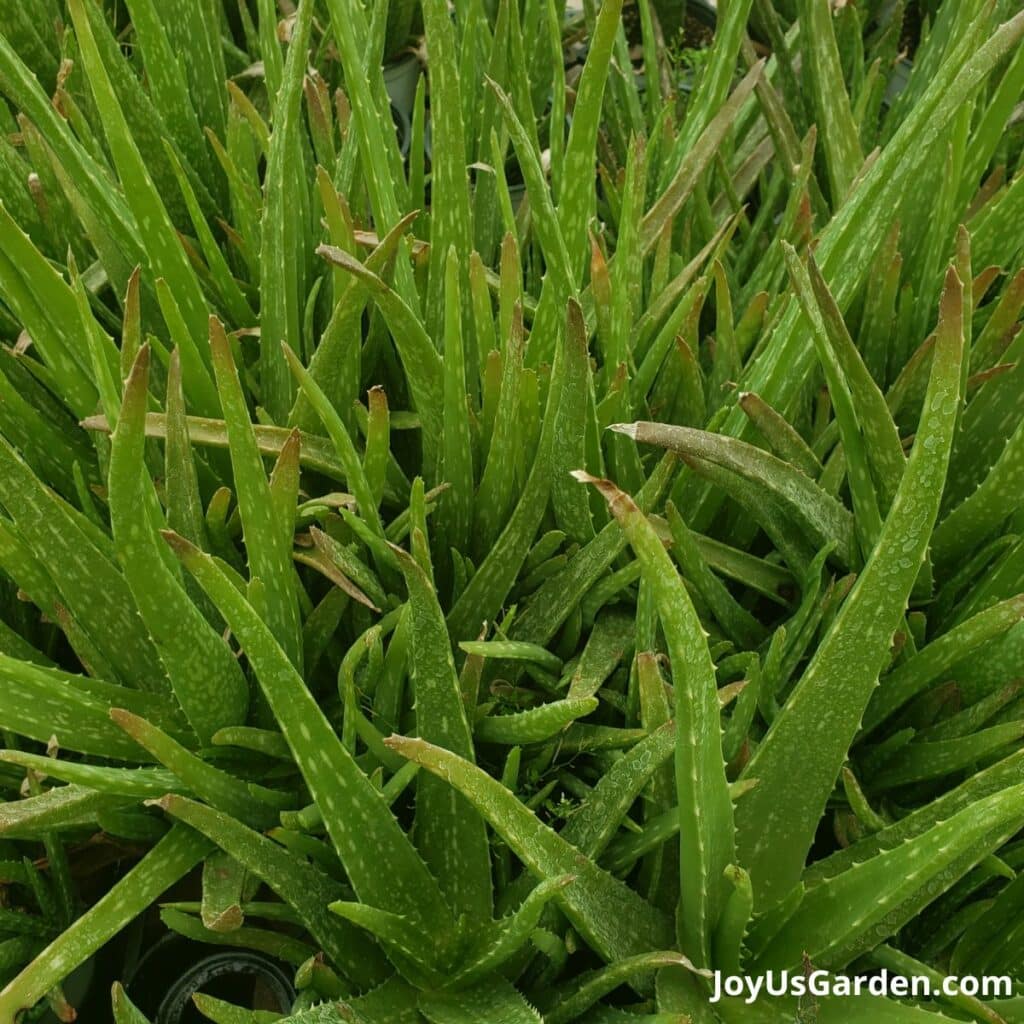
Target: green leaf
{"points": [[91, 589], [302, 886], [449, 834], [172, 858], [852, 912], [910, 678], [534, 725], [777, 821], [207, 680], [125, 1011], [384, 868], [608, 914], [283, 254], [164, 254], [831, 101], [269, 556], [821, 517], [492, 1000], [706, 817], [506, 936]]}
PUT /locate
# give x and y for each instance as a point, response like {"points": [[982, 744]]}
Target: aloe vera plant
{"points": [[527, 570]]}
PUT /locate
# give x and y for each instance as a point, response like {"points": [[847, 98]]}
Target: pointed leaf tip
{"points": [[629, 429], [181, 546]]}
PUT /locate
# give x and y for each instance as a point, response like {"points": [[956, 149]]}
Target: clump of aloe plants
{"points": [[512, 573]]}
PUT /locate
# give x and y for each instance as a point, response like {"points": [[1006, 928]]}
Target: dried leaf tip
{"points": [[629, 429], [406, 745], [125, 719], [181, 546], [619, 502]]}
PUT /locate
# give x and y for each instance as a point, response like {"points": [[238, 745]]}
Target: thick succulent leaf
{"points": [[505, 937], [207, 680], [706, 818], [492, 1000], [535, 724], [610, 916], [302, 886], [852, 912], [269, 556], [172, 858], [821, 516], [384, 868], [449, 834], [90, 585], [799, 761], [284, 252]]}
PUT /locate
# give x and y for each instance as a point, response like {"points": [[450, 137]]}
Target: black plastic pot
{"points": [[174, 969]]}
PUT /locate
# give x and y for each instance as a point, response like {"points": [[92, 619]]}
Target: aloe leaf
{"points": [[373, 127], [706, 819], [282, 256], [194, 32], [41, 299], [506, 936], [450, 216], [609, 915], [420, 359], [172, 858], [496, 492], [303, 886], [449, 834], [882, 440], [165, 256], [736, 620], [609, 640], [355, 477], [394, 878], [851, 912], [831, 101], [204, 674], [125, 1011], [224, 882], [534, 725], [776, 822], [855, 449], [407, 947], [41, 702], [823, 518], [577, 194], [546, 223], [861, 223], [141, 783], [269, 557], [487, 590], [555, 599], [64, 807], [457, 454], [494, 1000], [923, 760], [980, 514], [168, 86], [697, 158], [907, 680], [572, 510], [585, 991], [598, 818], [95, 593], [281, 947], [222, 790], [221, 1012]]}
